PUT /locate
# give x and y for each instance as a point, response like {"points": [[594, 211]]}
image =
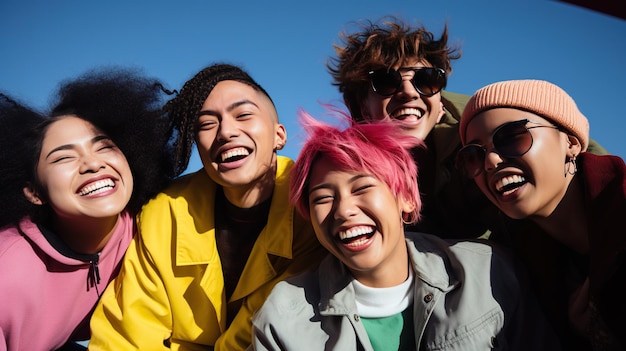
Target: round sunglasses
{"points": [[512, 139], [428, 81]]}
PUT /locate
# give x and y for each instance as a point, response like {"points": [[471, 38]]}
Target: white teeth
{"points": [[97, 187], [240, 151], [407, 111], [512, 179], [354, 232], [358, 242]]}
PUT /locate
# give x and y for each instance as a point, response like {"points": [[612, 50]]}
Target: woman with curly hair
{"points": [[72, 181]]}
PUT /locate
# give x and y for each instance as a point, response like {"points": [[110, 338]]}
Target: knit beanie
{"points": [[537, 96]]}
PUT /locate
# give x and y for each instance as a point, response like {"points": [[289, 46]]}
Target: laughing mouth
{"points": [[356, 235], [509, 184], [234, 154], [406, 112], [97, 187]]}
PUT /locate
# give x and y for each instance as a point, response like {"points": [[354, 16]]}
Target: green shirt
{"points": [[395, 332]]}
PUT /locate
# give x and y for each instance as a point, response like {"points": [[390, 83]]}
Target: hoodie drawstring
{"points": [[93, 277]]}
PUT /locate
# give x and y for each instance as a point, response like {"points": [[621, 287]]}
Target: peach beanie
{"points": [[537, 96]]}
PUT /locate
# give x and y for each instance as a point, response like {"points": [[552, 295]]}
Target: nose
{"points": [[91, 163], [227, 129], [345, 207], [407, 90], [492, 159]]}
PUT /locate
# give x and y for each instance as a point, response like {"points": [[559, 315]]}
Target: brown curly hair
{"points": [[386, 43]]}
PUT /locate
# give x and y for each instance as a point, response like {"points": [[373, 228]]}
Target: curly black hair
{"points": [[184, 108], [121, 103], [17, 125]]}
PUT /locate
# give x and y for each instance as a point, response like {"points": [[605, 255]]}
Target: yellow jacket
{"points": [[170, 291]]}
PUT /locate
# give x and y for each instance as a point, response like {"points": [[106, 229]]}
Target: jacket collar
{"points": [[444, 137], [198, 246], [430, 264], [428, 259], [45, 240]]}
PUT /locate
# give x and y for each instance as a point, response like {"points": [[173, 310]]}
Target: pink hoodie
{"points": [[46, 297]]}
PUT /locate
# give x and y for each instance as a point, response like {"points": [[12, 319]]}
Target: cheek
{"points": [[375, 107], [205, 139], [204, 142], [264, 137], [56, 178], [319, 226], [120, 163], [433, 103], [127, 176], [319, 214], [548, 173], [546, 158], [481, 182], [380, 202]]}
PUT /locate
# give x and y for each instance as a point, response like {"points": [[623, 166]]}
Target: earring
{"points": [[570, 166], [408, 220]]}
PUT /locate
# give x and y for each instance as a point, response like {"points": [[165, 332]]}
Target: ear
{"points": [[32, 194], [573, 146], [407, 206], [442, 112], [281, 137]]}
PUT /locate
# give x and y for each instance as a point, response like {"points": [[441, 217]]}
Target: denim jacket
{"points": [[467, 296]]}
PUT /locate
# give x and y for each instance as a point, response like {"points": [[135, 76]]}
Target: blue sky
{"points": [[285, 46]]}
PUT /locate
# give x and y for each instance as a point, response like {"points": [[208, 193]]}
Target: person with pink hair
{"points": [[381, 288]]}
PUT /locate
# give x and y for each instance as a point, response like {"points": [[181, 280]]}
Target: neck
{"points": [[568, 222], [86, 236], [393, 272], [252, 194]]}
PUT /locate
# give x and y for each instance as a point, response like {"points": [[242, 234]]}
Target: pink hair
{"points": [[377, 148]]}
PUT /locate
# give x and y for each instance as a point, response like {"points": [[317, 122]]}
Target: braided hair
{"points": [[183, 109]]}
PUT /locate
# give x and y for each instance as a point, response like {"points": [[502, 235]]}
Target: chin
{"points": [[414, 133], [516, 214]]}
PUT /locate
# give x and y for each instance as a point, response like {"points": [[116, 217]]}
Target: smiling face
{"points": [[529, 185], [359, 220], [81, 172], [414, 113], [237, 137]]}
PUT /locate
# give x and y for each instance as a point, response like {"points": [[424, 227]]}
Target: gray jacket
{"points": [[467, 297]]}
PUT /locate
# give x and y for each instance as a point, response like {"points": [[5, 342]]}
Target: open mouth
{"points": [[404, 113], [509, 184], [356, 235], [235, 154], [97, 187]]}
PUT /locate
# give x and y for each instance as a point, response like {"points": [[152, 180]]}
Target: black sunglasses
{"points": [[512, 139], [428, 81]]}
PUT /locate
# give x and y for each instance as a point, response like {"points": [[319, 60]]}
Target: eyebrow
{"points": [[230, 107], [94, 140], [351, 180]]}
